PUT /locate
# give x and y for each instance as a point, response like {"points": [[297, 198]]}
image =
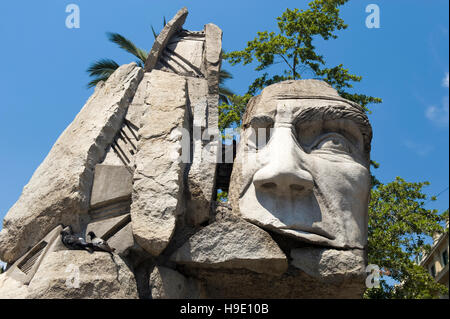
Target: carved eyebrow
{"points": [[260, 120], [336, 112]]}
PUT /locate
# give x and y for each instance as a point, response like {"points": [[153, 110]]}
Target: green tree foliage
{"points": [[231, 113], [398, 222], [291, 54], [293, 46], [222, 196], [399, 226]]}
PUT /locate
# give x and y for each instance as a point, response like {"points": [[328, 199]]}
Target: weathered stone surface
{"points": [[10, 288], [293, 284], [330, 264], [78, 274], [166, 283], [59, 190], [158, 177], [74, 274], [202, 171], [232, 244], [124, 147], [122, 240], [111, 183], [163, 38], [117, 231], [184, 54], [204, 97], [309, 179], [213, 56], [103, 227], [25, 267]]}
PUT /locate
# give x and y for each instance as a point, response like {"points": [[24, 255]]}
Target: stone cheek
{"points": [[347, 208]]}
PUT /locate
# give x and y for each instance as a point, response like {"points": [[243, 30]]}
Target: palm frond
{"points": [[101, 70], [154, 33], [127, 45], [225, 91], [102, 67], [224, 94], [224, 75]]}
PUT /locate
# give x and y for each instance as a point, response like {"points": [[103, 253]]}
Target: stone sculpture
{"points": [[140, 167], [311, 180]]}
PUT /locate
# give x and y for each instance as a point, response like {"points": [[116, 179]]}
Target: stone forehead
{"points": [[296, 90], [315, 95]]}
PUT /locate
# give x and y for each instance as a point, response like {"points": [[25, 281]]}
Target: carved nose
{"points": [[285, 169], [283, 182]]}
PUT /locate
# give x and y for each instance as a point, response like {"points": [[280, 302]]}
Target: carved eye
{"points": [[259, 132], [333, 143], [258, 137]]}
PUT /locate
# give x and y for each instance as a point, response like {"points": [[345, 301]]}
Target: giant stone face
{"points": [[302, 166]]}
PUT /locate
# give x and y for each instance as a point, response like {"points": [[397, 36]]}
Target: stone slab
{"points": [[76, 274], [166, 283], [111, 184], [232, 244], [163, 38], [159, 175], [330, 265]]}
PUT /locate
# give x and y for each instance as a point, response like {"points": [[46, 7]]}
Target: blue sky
{"points": [[405, 62]]}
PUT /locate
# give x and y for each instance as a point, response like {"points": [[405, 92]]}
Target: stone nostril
{"points": [[297, 188], [269, 185]]}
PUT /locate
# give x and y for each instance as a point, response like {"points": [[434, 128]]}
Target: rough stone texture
{"points": [[63, 273], [103, 226], [109, 211], [293, 284], [166, 283], [124, 148], [10, 288], [158, 177], [232, 244], [204, 99], [123, 240], [111, 183], [163, 38], [117, 231], [100, 275], [25, 267], [69, 167], [330, 265], [184, 54], [121, 152], [14, 282], [213, 56], [201, 173]]}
